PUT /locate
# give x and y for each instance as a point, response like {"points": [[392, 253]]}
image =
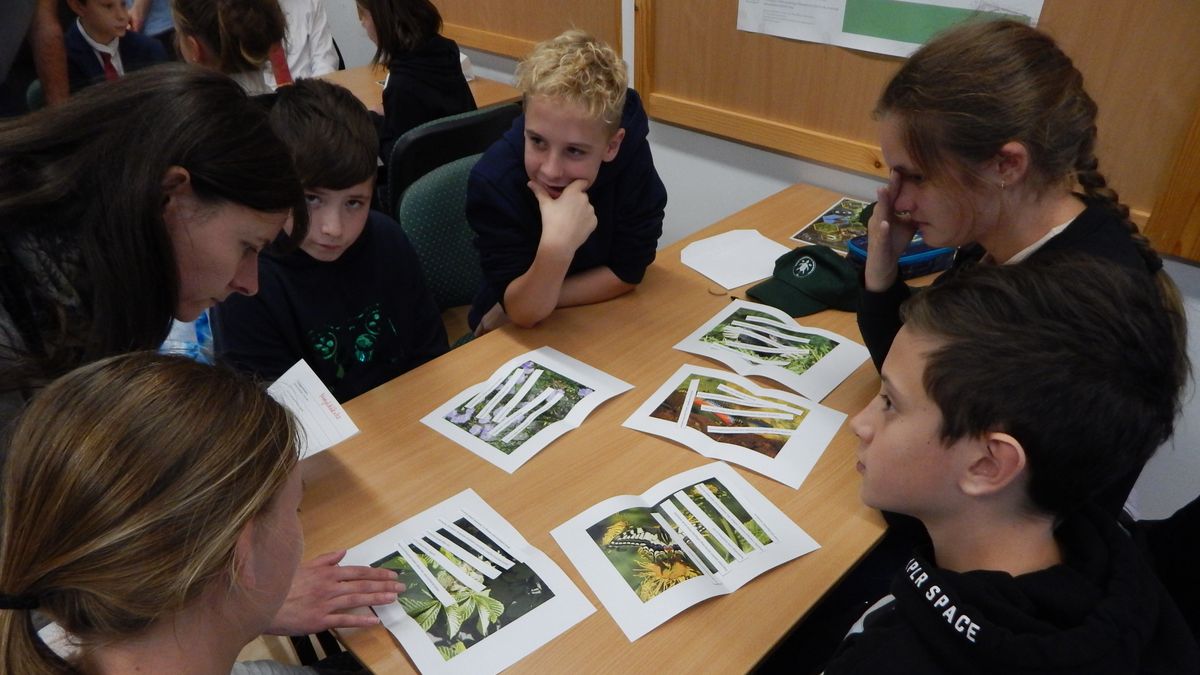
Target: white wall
{"points": [[357, 49], [708, 178]]}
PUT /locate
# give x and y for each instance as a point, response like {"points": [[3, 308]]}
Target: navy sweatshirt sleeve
{"points": [[251, 333]]}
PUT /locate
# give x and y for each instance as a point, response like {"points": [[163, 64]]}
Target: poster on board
{"points": [[893, 27]]}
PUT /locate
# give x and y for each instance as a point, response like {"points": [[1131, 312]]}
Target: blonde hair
{"points": [[577, 67], [127, 484]]}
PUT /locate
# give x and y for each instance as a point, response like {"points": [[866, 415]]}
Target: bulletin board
{"points": [[511, 28], [814, 101]]}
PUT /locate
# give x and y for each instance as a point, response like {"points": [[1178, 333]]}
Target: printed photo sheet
{"points": [[755, 339], [727, 417], [836, 226], [479, 598], [694, 536], [527, 403]]}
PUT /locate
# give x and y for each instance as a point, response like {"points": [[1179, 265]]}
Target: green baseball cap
{"points": [[809, 279]]}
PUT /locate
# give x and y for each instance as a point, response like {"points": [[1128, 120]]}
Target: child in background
{"points": [[190, 482], [425, 79], [308, 44], [567, 207], [152, 18], [352, 302], [1011, 396], [232, 36], [99, 46]]}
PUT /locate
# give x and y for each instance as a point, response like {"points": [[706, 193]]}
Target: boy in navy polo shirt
{"points": [[567, 207]]}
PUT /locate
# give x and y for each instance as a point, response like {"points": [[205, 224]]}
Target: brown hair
{"points": [[577, 67], [90, 173], [1069, 354], [977, 86], [333, 141], [239, 33], [400, 25], [127, 484]]}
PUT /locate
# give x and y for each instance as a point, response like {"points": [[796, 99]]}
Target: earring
{"points": [[1002, 184]]}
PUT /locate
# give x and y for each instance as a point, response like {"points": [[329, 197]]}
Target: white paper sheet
{"points": [[528, 604], [895, 27], [775, 433], [734, 258], [507, 421], [323, 422], [755, 339], [646, 572]]}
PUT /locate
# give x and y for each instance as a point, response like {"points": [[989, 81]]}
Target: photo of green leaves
{"points": [[475, 615], [760, 338]]}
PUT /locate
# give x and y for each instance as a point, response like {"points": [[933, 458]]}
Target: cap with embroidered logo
{"points": [[809, 279]]}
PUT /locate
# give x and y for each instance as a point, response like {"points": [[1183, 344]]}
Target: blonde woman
{"points": [[150, 509]]}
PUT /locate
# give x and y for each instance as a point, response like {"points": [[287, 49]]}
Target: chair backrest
{"points": [[433, 214], [35, 96], [428, 146]]}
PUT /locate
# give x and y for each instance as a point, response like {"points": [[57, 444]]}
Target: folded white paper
{"points": [[323, 422], [734, 258]]}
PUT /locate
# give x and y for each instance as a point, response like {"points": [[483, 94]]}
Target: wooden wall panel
{"points": [[1138, 59], [512, 27]]}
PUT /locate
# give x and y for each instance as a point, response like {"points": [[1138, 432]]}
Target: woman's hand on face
{"points": [[887, 237]]}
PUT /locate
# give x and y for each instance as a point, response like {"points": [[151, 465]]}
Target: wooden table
{"points": [[397, 467], [366, 83]]}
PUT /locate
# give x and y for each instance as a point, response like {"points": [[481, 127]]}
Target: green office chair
{"points": [[434, 216], [35, 96], [428, 146]]}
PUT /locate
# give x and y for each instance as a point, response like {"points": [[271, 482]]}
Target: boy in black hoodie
{"points": [[1010, 397], [352, 301], [567, 207]]}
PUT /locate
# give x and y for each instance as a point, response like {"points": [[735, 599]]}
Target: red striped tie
{"points": [[279, 65], [110, 72]]}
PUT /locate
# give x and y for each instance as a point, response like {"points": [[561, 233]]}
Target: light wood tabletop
{"points": [[366, 82], [398, 467]]}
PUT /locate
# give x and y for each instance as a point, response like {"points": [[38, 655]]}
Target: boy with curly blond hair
{"points": [[567, 207]]}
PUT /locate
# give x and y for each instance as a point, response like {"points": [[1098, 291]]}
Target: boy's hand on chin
{"points": [[569, 219]]}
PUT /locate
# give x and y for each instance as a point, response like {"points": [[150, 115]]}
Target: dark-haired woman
{"points": [[132, 204], [141, 201]]}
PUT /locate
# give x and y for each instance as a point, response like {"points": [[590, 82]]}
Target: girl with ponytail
{"points": [[150, 510], [235, 37], [990, 137]]}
